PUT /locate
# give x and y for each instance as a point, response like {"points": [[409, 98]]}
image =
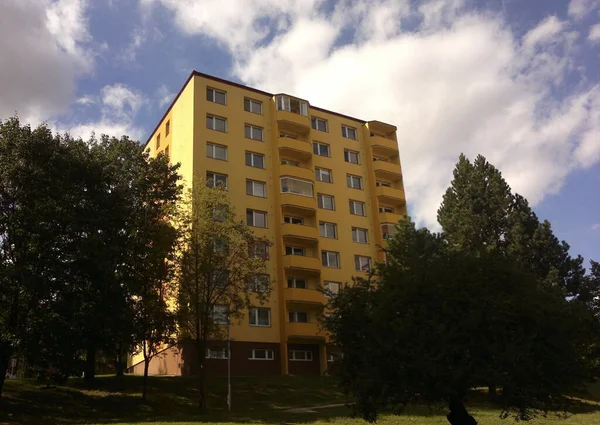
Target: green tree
{"points": [[222, 270]]}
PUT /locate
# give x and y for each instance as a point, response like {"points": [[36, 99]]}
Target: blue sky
{"points": [[517, 81]]}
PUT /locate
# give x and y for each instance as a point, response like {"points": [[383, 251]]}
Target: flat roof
{"points": [[241, 86]]}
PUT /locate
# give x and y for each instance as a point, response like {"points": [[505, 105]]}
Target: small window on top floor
{"points": [[158, 141], [349, 132], [167, 128], [318, 124], [216, 96], [254, 106]]}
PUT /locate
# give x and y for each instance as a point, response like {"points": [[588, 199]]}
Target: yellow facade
{"points": [[288, 135]]}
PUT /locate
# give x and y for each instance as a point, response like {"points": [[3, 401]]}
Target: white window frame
{"points": [[386, 210], [386, 234], [328, 262], [325, 233], [328, 285], [307, 182], [358, 266], [252, 129], [253, 312], [320, 172], [290, 162], [351, 179], [294, 282], [294, 356], [348, 153], [317, 149], [380, 158], [356, 235], [214, 119], [353, 209], [254, 214], [284, 103], [260, 283], [315, 121], [212, 149], [380, 183], [215, 181], [252, 187], [211, 354], [321, 201], [295, 314], [212, 97], [253, 157], [289, 219], [269, 354], [252, 102], [294, 249], [218, 312], [346, 132]]}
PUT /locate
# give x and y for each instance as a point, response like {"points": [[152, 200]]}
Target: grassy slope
{"points": [[173, 401]]}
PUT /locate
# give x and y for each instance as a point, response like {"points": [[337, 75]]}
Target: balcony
{"points": [[295, 148], [308, 296], [293, 122], [302, 263], [298, 201], [387, 170], [383, 146], [391, 195], [390, 218], [298, 172], [304, 330], [298, 231]]}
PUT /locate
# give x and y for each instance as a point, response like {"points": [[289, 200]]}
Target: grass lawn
{"points": [[172, 401]]}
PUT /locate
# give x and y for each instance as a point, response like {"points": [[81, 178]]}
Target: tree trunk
{"points": [[90, 364], [119, 366], [492, 392], [145, 381], [458, 413], [5, 355], [202, 389]]}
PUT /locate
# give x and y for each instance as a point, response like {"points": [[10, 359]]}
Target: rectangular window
{"points": [[256, 188], [288, 135], [216, 151], [256, 218], [216, 96], [357, 208], [318, 124], [380, 158], [167, 127], [334, 357], [220, 246], [255, 160], [261, 354], [354, 182], [296, 282], [216, 353], [216, 180], [220, 279], [349, 132], [326, 202], [386, 210], [300, 355], [167, 151], [258, 249], [321, 149], [332, 288], [298, 187], [330, 259], [285, 103], [328, 230], [220, 213], [294, 250], [260, 316], [323, 175], [253, 132], [216, 123], [362, 264], [379, 183], [259, 283], [290, 162], [220, 314], [254, 106], [158, 141], [293, 220], [298, 317], [360, 235], [388, 230], [351, 156]]}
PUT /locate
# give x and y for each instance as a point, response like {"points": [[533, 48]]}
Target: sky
{"points": [[517, 81]]}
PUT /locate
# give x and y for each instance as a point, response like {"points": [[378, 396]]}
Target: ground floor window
{"points": [[300, 355], [261, 354], [216, 353]]}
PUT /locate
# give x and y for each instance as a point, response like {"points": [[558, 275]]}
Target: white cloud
{"points": [[596, 226], [138, 37], [594, 34], [461, 82], [579, 9], [164, 95]]}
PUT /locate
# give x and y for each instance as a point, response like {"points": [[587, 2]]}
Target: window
{"points": [[380, 158], [254, 106], [256, 218], [321, 149], [167, 128], [380, 183], [217, 96], [167, 151], [297, 282], [290, 162], [328, 230], [259, 283], [255, 160], [256, 188], [158, 141], [216, 151], [357, 208], [261, 354], [217, 353], [362, 264], [216, 180], [293, 220], [351, 156], [220, 278], [254, 133], [258, 249], [334, 357], [349, 132], [354, 182], [285, 103], [298, 317], [220, 314], [360, 235], [216, 123], [300, 355], [323, 175], [330, 259], [388, 230], [386, 210], [260, 316], [294, 250], [326, 202], [332, 288], [220, 212], [220, 246], [318, 124], [288, 135], [298, 187]]}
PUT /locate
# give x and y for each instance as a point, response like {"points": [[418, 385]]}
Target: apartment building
{"points": [[325, 188]]}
